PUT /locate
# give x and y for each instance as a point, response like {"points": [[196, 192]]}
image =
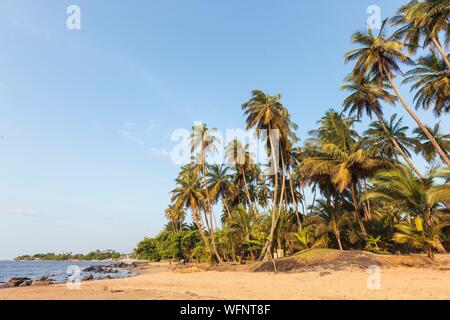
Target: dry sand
{"points": [[324, 281]]}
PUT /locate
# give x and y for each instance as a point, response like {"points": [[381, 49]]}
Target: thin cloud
{"points": [[128, 131], [162, 152]]}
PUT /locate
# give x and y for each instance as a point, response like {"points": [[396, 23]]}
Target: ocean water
{"points": [[56, 270]]}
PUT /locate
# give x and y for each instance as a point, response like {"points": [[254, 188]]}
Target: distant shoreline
{"points": [[98, 255]]}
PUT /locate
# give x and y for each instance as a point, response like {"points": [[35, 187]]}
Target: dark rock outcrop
{"points": [[17, 281], [88, 278]]}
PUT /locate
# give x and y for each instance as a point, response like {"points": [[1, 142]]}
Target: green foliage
{"points": [[147, 249], [94, 255], [168, 246], [363, 196]]}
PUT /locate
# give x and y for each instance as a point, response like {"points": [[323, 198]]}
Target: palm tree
{"points": [[332, 218], [378, 56], [365, 97], [414, 197], [267, 115], [239, 155], [421, 235], [421, 22], [202, 142], [431, 79], [424, 146], [340, 158], [176, 216], [387, 139], [188, 194], [379, 136], [219, 184]]}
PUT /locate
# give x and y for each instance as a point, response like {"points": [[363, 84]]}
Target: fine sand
{"points": [[335, 277]]}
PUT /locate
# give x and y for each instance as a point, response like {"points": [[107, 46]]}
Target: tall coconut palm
{"points": [[380, 138], [188, 194], [366, 96], [431, 79], [378, 56], [421, 22], [203, 142], [242, 159], [219, 185], [340, 157], [269, 117], [176, 216], [424, 146]]}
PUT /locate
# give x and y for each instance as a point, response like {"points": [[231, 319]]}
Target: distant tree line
{"points": [[94, 255]]}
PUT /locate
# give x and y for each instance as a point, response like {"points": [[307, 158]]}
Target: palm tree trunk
{"points": [[303, 200], [295, 202], [268, 246], [209, 206], [397, 146], [195, 215], [339, 242], [227, 208], [441, 51], [314, 199], [356, 212], [249, 198], [418, 121], [367, 213]]}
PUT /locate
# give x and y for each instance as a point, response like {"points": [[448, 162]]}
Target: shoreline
{"points": [[92, 271], [162, 281]]}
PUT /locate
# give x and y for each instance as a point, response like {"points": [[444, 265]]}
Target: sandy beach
{"points": [[163, 281]]}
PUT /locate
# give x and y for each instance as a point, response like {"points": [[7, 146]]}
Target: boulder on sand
{"points": [[26, 283], [88, 278], [44, 281], [17, 281]]}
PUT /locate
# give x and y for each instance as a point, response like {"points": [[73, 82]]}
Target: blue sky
{"points": [[86, 115]]}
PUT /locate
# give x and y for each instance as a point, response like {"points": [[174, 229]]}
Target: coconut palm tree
{"points": [[431, 79], [378, 56], [421, 22], [388, 139], [220, 185], [188, 194], [242, 159], [203, 142], [366, 96], [414, 197], [420, 235], [176, 216], [271, 120], [424, 146], [378, 138], [340, 158], [332, 218]]}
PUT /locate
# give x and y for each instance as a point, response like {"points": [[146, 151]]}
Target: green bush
{"points": [[169, 246]]}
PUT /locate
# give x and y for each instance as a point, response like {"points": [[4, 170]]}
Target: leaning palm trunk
{"points": [[338, 238], [295, 203], [201, 229], [268, 246], [441, 51], [397, 146], [249, 198], [356, 212], [227, 208], [418, 121], [209, 206]]}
